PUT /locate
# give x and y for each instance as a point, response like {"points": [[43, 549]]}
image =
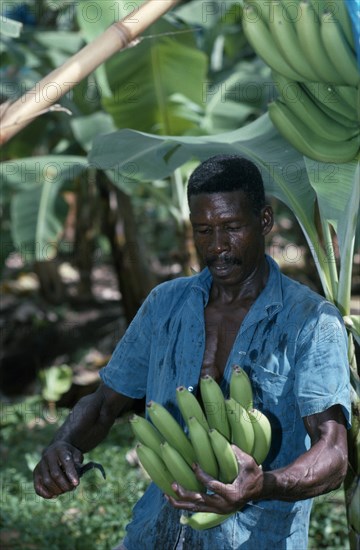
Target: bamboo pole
{"points": [[49, 90]]}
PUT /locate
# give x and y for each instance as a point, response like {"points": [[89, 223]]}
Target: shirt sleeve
{"points": [[322, 377], [127, 370]]}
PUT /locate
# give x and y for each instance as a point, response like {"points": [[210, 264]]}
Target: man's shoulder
{"points": [[306, 299], [295, 288]]}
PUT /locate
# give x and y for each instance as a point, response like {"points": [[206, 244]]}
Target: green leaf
{"points": [[64, 41], [352, 323], [338, 193], [56, 381], [36, 184], [143, 80], [201, 13], [10, 27], [87, 127]]}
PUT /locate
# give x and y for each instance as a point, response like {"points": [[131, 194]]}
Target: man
{"points": [[239, 310]]}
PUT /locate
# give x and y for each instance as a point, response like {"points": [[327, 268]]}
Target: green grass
{"points": [[95, 515]]}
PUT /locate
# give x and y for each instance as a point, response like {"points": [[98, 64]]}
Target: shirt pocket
{"points": [[274, 395]]}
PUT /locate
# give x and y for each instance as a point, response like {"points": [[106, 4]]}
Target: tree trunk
{"points": [[134, 277], [51, 285], [85, 231]]}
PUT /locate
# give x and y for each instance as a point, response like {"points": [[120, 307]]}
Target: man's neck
{"points": [[246, 291]]}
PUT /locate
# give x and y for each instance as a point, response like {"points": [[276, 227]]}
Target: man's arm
{"points": [[319, 470], [86, 426]]}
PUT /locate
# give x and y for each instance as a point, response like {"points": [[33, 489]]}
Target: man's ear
{"points": [[267, 219]]}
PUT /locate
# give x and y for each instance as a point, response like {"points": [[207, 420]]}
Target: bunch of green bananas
{"points": [[309, 46], [167, 453]]}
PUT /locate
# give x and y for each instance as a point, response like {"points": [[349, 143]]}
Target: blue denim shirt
{"points": [[293, 345]]}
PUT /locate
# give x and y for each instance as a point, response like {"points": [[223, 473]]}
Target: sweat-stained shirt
{"points": [[292, 344]]}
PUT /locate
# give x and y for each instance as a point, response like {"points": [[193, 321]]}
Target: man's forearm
{"points": [[91, 419], [316, 472], [86, 426]]}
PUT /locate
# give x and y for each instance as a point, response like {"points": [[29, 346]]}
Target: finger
{"points": [[40, 489], [242, 457], [211, 504], [67, 465], [185, 494], [45, 485], [57, 472], [201, 475]]}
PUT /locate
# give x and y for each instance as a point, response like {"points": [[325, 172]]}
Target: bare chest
{"points": [[221, 329]]}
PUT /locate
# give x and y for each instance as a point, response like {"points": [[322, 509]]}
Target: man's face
{"points": [[228, 236]]}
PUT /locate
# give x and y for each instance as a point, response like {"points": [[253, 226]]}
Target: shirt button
{"points": [[191, 388]]}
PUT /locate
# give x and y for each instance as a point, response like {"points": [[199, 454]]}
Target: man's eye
{"points": [[233, 227], [202, 230]]}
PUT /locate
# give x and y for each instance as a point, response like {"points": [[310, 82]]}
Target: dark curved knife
{"points": [[81, 469]]}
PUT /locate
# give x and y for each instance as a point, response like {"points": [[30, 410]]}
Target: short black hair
{"points": [[223, 173]]}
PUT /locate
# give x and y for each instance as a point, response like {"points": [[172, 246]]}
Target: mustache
{"points": [[222, 259]]}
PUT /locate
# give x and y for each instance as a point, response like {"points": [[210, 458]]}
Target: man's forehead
{"points": [[226, 206], [237, 197]]}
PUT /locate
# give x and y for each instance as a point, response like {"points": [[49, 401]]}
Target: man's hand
{"points": [[319, 470], [56, 472], [227, 498]]}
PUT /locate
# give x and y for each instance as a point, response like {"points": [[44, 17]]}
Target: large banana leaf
{"points": [[138, 83], [143, 80], [338, 193], [283, 168], [37, 207]]}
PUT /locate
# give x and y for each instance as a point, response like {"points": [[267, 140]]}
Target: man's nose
{"points": [[219, 242]]}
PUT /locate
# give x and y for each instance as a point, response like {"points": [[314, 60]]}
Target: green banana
{"points": [[225, 456], [308, 32], [301, 104], [171, 430], [156, 469], [145, 432], [189, 406], [304, 140], [292, 9], [327, 98], [261, 9], [339, 51], [342, 16], [202, 447], [260, 38], [240, 387], [242, 431], [321, 6], [284, 35], [348, 94], [204, 520], [262, 430], [179, 468], [214, 404]]}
